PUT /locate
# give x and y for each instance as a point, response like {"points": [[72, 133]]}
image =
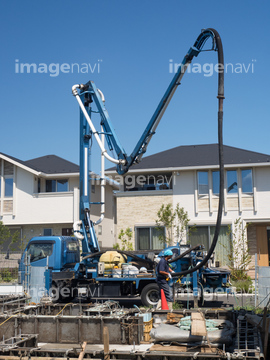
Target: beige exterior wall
{"points": [[252, 242], [139, 210]]}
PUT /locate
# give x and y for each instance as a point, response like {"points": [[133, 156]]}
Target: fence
{"points": [[9, 266], [262, 286]]}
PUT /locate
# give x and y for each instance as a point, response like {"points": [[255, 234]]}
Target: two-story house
{"points": [[189, 175], [41, 197]]}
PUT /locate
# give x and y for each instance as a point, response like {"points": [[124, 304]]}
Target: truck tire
{"points": [[150, 295]]}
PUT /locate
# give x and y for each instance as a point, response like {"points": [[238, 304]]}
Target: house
{"points": [[41, 197], [189, 175]]}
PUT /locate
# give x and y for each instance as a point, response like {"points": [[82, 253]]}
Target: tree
{"points": [[239, 256], [175, 221], [166, 217], [125, 237], [182, 221], [5, 235]]}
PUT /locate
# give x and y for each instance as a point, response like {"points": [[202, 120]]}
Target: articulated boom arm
{"points": [[84, 229], [124, 161]]}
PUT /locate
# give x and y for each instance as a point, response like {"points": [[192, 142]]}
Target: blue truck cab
{"points": [[59, 253]]}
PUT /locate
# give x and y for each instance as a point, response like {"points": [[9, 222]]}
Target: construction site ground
{"points": [[87, 331]]}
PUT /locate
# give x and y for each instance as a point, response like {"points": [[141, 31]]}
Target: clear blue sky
{"points": [[130, 46]]}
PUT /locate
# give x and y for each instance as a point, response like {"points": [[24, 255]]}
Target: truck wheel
{"points": [[150, 295]]}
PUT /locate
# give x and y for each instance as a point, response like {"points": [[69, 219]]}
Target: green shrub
{"points": [[125, 236], [177, 305], [7, 275], [244, 285]]}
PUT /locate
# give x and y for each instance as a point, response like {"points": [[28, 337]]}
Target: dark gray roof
{"points": [[52, 164], [49, 164], [198, 155], [13, 158]]}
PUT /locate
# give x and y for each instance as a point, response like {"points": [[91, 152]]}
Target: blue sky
{"points": [[130, 46]]}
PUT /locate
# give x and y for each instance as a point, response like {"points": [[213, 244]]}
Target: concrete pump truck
{"points": [[69, 271]]}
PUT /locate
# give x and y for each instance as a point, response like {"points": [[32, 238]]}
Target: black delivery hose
{"points": [[194, 248], [218, 47]]}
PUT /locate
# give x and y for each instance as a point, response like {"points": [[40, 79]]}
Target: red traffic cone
{"points": [[164, 305]]}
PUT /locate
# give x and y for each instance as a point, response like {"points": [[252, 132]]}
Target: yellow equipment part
{"points": [[112, 258]]}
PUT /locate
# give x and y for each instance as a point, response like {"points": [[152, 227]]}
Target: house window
{"points": [[150, 238], [204, 236], [8, 186], [203, 186], [47, 232], [67, 231], [232, 184], [200, 237], [247, 186], [61, 185], [56, 185], [50, 185], [215, 181], [99, 229]]}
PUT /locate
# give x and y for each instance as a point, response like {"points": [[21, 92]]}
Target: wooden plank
{"points": [[106, 343], [179, 348], [83, 351], [198, 325], [196, 316], [174, 317]]}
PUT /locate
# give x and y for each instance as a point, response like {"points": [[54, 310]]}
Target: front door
{"points": [[262, 245]]}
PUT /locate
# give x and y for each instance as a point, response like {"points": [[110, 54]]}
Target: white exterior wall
{"points": [[262, 194], [254, 207], [34, 208], [33, 211]]}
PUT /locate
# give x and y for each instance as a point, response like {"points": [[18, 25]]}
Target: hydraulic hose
{"points": [[126, 253], [199, 43], [194, 248]]}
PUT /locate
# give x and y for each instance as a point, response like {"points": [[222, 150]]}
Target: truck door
{"points": [[38, 252]]}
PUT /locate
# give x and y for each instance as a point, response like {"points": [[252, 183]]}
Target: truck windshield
{"points": [[39, 251]]}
